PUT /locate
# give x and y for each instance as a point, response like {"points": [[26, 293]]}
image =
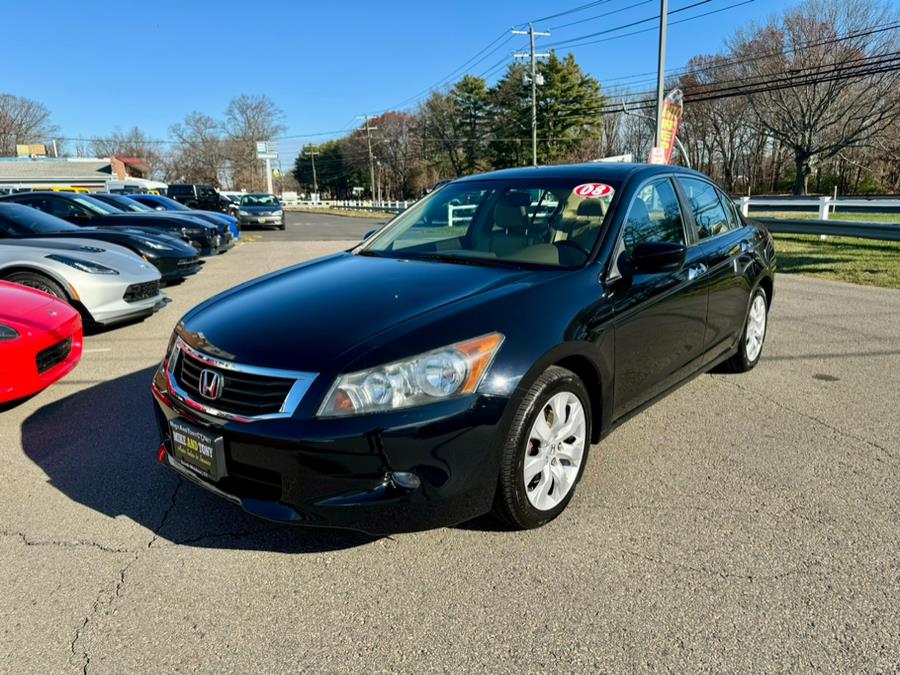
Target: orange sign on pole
{"points": [[673, 109]]}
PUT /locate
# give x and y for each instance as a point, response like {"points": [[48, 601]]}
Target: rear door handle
{"points": [[697, 270]]}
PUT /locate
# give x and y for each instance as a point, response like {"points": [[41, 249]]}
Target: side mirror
{"points": [[369, 234], [655, 257]]}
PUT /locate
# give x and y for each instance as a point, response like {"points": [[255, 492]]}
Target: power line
{"points": [[724, 63], [580, 8], [628, 25], [601, 16]]}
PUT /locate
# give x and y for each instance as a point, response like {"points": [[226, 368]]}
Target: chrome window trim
{"points": [[302, 383]]}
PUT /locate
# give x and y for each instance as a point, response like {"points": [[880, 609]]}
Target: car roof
{"points": [[618, 171]]}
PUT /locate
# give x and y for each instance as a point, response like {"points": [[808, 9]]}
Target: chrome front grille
{"points": [[241, 392]]}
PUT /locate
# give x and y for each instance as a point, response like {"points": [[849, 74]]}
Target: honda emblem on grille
{"points": [[210, 384]]}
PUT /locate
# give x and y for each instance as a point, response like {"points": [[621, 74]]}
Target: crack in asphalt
{"points": [[805, 415], [61, 543], [110, 597]]}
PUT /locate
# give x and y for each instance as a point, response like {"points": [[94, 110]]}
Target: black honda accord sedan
{"points": [[463, 359]]}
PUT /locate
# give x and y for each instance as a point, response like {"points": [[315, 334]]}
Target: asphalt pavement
{"points": [[744, 524]]}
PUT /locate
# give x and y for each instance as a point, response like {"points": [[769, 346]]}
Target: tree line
{"points": [[807, 101]]}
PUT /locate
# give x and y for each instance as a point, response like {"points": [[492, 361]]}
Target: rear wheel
{"points": [[754, 335], [38, 281], [545, 451]]}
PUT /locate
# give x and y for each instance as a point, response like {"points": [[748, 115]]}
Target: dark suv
{"points": [[204, 197]]}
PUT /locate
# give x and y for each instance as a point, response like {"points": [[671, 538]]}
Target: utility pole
{"points": [[369, 131], [661, 71], [531, 33], [312, 156]]}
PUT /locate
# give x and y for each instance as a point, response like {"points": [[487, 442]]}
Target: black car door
{"points": [[660, 317], [726, 242]]}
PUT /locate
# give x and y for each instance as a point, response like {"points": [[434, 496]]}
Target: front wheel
{"points": [[545, 451], [38, 281], [754, 335]]}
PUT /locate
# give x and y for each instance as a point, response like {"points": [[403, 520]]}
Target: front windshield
{"points": [[170, 204], [258, 200], [549, 222], [26, 220], [131, 205], [95, 205]]}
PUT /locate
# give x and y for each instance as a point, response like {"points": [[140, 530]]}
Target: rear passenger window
{"points": [[710, 215], [734, 220], [654, 216]]}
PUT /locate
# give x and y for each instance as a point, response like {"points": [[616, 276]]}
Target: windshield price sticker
{"points": [[593, 190]]}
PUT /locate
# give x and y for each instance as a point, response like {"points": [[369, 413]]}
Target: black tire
{"points": [[511, 503], [281, 227], [38, 281], [741, 362]]}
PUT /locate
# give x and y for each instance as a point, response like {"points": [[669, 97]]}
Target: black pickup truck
{"points": [[196, 196]]}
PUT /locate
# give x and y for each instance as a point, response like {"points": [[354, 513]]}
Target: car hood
{"points": [[104, 253], [140, 220], [26, 308], [128, 235], [316, 316]]}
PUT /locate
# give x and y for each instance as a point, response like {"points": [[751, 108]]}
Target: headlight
{"points": [[241, 212], [82, 265], [455, 370], [7, 333], [279, 212], [156, 246]]}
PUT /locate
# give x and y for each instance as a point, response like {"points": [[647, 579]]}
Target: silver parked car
{"points": [[106, 282], [259, 208]]}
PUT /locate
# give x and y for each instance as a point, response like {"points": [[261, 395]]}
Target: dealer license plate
{"points": [[197, 449]]}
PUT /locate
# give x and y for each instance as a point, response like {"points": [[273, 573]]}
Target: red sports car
{"points": [[40, 340]]}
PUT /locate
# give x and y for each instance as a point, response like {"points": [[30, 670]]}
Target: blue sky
{"points": [[102, 66]]}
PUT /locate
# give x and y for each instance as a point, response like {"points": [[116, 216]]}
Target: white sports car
{"points": [[106, 282]]}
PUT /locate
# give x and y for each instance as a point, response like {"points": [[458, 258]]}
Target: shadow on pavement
{"points": [[98, 447]]}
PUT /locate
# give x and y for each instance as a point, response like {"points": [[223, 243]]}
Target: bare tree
{"points": [[249, 119], [198, 155], [132, 143], [816, 91], [22, 120]]}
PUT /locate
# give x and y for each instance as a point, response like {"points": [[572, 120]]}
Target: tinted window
{"points": [[547, 222], [654, 216], [734, 220], [709, 214], [24, 220]]}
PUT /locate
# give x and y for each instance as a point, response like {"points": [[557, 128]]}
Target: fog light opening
{"points": [[406, 480]]}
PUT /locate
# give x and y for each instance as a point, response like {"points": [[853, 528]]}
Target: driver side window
{"points": [[654, 216]]}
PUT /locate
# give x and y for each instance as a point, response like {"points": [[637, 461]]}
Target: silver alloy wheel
{"points": [[555, 450], [756, 328]]}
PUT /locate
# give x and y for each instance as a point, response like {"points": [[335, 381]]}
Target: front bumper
{"points": [[177, 268], [19, 373], [341, 473], [271, 221]]}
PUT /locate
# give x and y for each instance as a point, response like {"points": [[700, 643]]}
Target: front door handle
{"points": [[697, 270]]}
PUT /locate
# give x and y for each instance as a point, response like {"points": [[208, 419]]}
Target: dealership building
{"points": [[93, 173]]}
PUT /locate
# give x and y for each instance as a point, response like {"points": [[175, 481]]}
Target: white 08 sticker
{"points": [[593, 190]]}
